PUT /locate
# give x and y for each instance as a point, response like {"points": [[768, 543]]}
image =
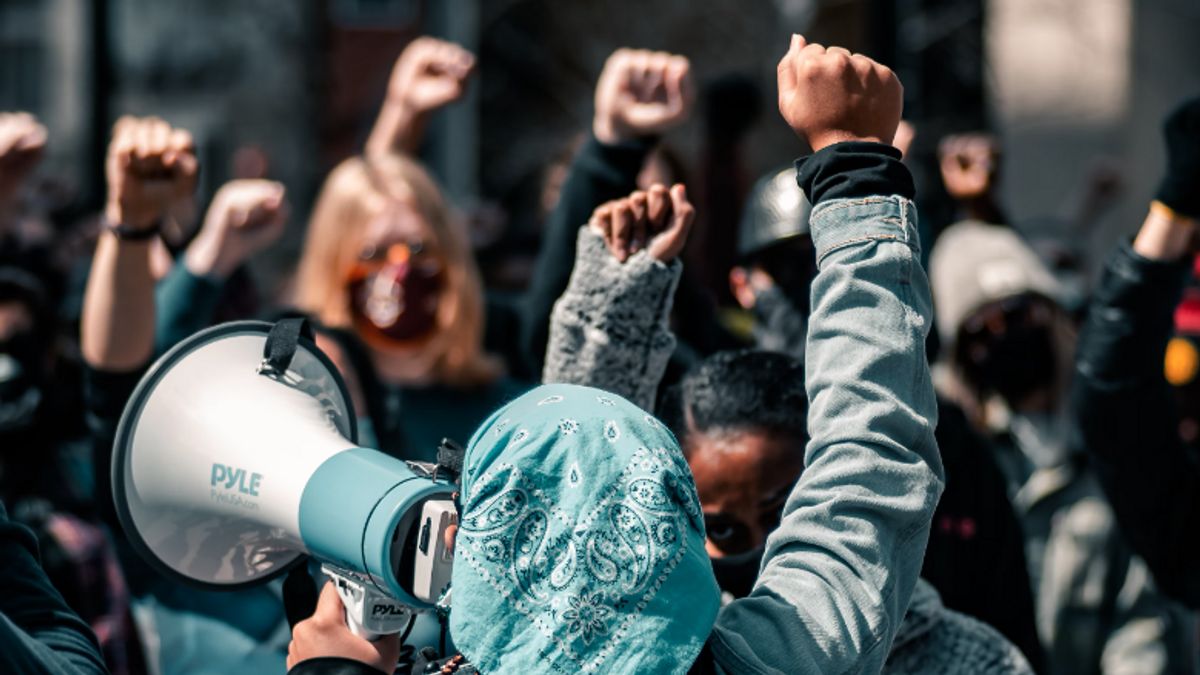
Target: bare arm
{"points": [[149, 165], [429, 74]]}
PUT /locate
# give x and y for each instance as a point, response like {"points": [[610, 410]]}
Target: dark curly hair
{"points": [[745, 390]]}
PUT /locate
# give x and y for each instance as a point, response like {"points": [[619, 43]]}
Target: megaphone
{"points": [[237, 456]]}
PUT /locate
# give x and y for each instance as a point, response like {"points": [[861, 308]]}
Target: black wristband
{"points": [[129, 233]]}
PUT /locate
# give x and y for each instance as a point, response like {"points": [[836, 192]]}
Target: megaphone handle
{"points": [[353, 599], [359, 630]]}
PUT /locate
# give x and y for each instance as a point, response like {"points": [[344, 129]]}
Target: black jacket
{"points": [[1128, 420], [598, 173], [601, 173], [976, 553], [38, 632]]}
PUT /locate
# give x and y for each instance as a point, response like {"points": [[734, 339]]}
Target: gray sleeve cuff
{"points": [[640, 289], [610, 329]]}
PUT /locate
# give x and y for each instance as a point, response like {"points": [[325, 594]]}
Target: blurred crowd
{"points": [[1067, 412]]}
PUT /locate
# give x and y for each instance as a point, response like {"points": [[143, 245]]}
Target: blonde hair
{"points": [[344, 209]]}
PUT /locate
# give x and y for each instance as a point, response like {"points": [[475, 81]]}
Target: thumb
{"points": [[329, 605]]}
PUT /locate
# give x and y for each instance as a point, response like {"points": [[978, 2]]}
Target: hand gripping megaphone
{"points": [[236, 457]]}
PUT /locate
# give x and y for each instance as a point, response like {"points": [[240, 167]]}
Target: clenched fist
{"points": [[642, 93], [245, 217], [831, 95], [150, 167], [429, 74], [969, 164], [22, 143], [657, 220]]}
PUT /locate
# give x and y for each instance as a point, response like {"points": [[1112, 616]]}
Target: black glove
{"points": [[1180, 189]]}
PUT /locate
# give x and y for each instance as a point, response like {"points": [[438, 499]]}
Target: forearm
{"points": [[598, 174], [610, 328], [839, 571], [117, 325], [398, 130], [1122, 344]]}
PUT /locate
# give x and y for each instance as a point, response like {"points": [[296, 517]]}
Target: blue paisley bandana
{"points": [[581, 545]]}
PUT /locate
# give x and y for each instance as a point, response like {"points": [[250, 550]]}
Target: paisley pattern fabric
{"points": [[581, 542]]}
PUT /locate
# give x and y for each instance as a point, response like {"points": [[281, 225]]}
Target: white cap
{"points": [[974, 263]]}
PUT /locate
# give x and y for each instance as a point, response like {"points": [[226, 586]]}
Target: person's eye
{"points": [[727, 534], [371, 252]]}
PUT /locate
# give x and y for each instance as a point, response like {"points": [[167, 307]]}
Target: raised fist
{"points": [[429, 74], [245, 217], [641, 93], [22, 143], [969, 164], [150, 168], [657, 220], [830, 95]]}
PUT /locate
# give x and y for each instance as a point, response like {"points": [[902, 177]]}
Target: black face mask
{"points": [[737, 573], [1008, 347], [22, 383]]}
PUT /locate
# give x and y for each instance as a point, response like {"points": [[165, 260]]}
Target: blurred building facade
{"points": [[1079, 89]]}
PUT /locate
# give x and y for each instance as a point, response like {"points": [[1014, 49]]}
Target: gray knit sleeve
{"points": [[610, 328]]}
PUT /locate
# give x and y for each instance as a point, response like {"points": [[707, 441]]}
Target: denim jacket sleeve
{"points": [[838, 574], [610, 328]]}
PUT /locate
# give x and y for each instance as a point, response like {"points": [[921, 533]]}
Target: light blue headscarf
{"points": [[581, 546]]}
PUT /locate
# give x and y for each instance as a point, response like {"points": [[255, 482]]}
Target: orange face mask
{"points": [[394, 302]]}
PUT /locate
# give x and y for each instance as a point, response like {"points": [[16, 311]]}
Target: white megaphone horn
{"points": [[236, 456]]}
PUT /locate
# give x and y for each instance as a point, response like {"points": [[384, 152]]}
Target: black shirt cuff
{"points": [[853, 170]]}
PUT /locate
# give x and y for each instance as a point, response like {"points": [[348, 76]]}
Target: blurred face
{"points": [[22, 366], [743, 479], [397, 282], [1008, 347]]}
